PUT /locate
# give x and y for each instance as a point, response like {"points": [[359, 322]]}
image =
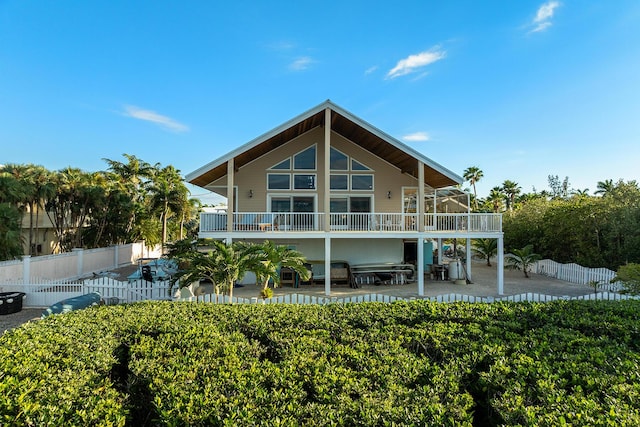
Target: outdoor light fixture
{"points": [[388, 194], [250, 193]]}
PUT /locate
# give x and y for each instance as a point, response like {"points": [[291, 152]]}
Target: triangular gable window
{"points": [[305, 160], [338, 160], [357, 166], [283, 165]]}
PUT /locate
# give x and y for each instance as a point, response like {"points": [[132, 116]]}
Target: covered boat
{"points": [[71, 304]]}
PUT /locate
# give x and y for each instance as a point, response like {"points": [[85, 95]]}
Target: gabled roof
{"points": [[344, 123]]}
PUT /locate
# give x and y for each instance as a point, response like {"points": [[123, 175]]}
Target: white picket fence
{"points": [[46, 293], [446, 298], [578, 274]]}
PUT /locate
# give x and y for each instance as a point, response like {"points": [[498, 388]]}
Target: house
{"points": [[337, 188], [43, 233]]}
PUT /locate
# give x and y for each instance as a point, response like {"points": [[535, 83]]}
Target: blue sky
{"points": [[521, 89]]}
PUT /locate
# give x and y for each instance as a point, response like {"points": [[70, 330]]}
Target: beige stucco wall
{"points": [[253, 176]]}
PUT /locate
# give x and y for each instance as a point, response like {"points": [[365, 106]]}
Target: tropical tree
{"points": [[224, 264], [168, 195], [10, 238], [473, 174], [495, 199], [559, 189], [510, 189], [605, 187], [189, 218], [69, 208], [485, 248], [270, 258], [131, 178], [580, 192], [629, 275], [522, 259], [25, 198]]}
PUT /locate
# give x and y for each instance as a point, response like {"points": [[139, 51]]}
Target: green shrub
{"points": [[406, 363]]}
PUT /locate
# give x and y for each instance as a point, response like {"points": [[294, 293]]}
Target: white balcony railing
{"points": [[383, 222]]}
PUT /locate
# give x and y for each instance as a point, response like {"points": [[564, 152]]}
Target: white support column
{"points": [[439, 251], [26, 269], [468, 262], [116, 256], [230, 197], [327, 266], [326, 170], [500, 265], [421, 266], [420, 201], [79, 260]]}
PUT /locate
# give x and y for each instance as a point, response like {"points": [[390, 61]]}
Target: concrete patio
{"points": [[484, 284]]}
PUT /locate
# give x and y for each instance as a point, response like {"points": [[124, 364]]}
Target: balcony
{"points": [[284, 222]]}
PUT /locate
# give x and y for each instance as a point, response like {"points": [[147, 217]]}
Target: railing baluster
{"points": [[347, 221]]}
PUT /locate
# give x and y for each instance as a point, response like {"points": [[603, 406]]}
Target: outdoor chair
{"points": [[146, 273]]}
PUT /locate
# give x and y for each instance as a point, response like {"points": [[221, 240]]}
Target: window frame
{"points": [[269, 175], [352, 176]]}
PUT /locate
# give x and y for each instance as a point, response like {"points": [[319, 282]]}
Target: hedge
{"points": [[369, 364]]}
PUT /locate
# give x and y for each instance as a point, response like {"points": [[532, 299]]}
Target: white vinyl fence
{"points": [[75, 264], [447, 298], [46, 293], [578, 274], [113, 291]]}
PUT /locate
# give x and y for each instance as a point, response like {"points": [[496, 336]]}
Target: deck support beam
{"points": [[327, 266], [468, 260], [326, 170], [420, 266], [420, 201], [230, 195], [500, 265]]}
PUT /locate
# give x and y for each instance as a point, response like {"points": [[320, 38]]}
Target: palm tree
{"points": [[522, 259], [511, 189], [486, 248], [25, 176], [132, 177], [10, 238], [270, 258], [581, 193], [168, 195], [223, 265], [473, 174], [496, 197], [605, 187], [189, 215]]}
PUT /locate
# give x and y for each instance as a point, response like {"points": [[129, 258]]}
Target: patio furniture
{"points": [[340, 272], [440, 272], [146, 273], [288, 277]]}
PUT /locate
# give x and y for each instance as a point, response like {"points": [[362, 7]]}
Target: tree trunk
{"points": [[230, 284]]}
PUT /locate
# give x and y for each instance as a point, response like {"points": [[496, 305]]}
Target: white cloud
{"points": [[281, 45], [153, 117], [416, 137], [370, 70], [542, 21], [415, 62], [301, 63]]}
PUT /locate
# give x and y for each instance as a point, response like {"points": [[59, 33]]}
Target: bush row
{"points": [[405, 363]]}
